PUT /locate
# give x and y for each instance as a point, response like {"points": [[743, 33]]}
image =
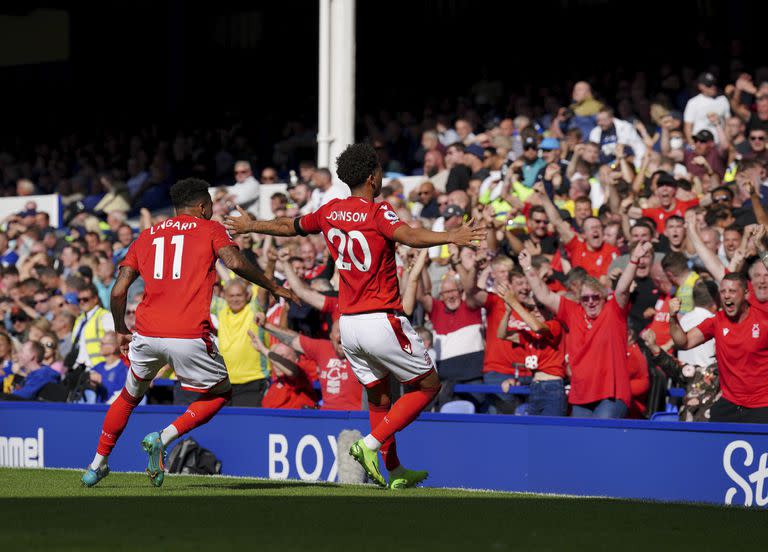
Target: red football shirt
{"points": [[176, 259], [501, 356], [596, 262], [660, 322], [360, 237], [290, 392], [339, 385], [543, 352], [660, 215], [597, 352], [741, 349]]}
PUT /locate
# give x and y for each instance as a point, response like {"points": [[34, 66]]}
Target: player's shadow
{"points": [[259, 485]]}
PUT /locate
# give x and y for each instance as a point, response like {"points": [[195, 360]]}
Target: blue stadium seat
{"points": [[458, 407], [665, 417]]}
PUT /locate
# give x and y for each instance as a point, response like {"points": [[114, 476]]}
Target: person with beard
{"points": [[596, 341], [435, 170], [740, 332], [590, 252], [525, 326]]}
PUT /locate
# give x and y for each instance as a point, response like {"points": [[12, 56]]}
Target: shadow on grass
{"points": [[336, 522]]}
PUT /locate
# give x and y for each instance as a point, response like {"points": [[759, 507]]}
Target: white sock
{"points": [[98, 461], [169, 434], [397, 471], [371, 442]]}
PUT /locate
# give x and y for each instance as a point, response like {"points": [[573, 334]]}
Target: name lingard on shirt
{"points": [[172, 224]]}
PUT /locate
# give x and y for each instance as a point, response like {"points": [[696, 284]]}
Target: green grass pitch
{"points": [[49, 510]]}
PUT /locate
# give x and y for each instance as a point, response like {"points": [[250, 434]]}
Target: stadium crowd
{"points": [[624, 255]]}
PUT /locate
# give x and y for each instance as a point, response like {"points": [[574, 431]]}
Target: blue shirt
{"points": [[35, 381], [9, 258], [104, 290], [112, 379]]}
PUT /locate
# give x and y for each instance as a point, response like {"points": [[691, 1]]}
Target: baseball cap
{"points": [[550, 144], [453, 211], [476, 150], [71, 298], [707, 79], [704, 136], [530, 141]]}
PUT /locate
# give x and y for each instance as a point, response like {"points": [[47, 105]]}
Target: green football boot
{"points": [[369, 459], [156, 451], [407, 479]]}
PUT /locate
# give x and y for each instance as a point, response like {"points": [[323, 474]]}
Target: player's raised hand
{"points": [[238, 225], [674, 306], [757, 238], [123, 341], [287, 294], [467, 234]]}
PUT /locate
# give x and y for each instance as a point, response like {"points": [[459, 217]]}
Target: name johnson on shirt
{"points": [[347, 216]]}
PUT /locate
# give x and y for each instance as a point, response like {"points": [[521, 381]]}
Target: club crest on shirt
{"points": [[755, 331], [725, 331]]}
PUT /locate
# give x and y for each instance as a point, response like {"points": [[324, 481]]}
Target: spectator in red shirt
{"points": [[639, 379], [291, 384], [545, 357], [596, 342], [591, 251], [741, 348], [338, 383], [502, 360], [666, 188]]}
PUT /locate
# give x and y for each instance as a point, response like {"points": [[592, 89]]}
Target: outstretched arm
{"points": [[298, 284], [466, 234], [621, 293], [413, 289], [245, 223], [234, 260], [563, 228], [710, 260], [289, 337], [543, 294]]}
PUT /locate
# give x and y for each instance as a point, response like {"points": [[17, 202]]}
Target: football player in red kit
{"points": [[176, 258], [377, 339]]}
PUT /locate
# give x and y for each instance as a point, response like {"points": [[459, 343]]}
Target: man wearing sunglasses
{"points": [[596, 343], [758, 151], [94, 321]]}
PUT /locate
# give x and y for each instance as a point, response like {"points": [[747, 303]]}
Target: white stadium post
{"points": [[324, 86], [339, 32]]}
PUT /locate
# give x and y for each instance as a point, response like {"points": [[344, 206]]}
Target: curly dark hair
{"points": [[356, 164], [188, 191]]}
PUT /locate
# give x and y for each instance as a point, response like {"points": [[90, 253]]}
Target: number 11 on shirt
{"points": [[178, 248]]}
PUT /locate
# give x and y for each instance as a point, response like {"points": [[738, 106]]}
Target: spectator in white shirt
{"points": [[325, 189], [246, 187], [698, 109], [704, 306]]}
